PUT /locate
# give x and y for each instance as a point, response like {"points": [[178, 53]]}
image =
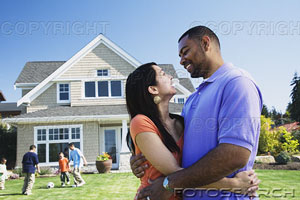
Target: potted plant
{"points": [[104, 163]]}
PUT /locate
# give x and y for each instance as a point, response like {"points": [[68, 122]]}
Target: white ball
{"points": [[50, 185]]}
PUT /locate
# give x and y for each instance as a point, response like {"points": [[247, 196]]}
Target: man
{"points": [[30, 163], [76, 156], [222, 122]]}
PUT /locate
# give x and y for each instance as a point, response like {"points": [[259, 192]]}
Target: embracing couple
{"points": [[207, 152]]}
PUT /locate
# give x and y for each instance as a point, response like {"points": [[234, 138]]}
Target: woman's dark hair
{"points": [[140, 101]]}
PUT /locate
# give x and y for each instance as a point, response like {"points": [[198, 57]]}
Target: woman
{"points": [[158, 134]]}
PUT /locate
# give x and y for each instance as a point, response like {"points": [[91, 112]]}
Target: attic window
{"points": [[102, 72], [63, 91]]}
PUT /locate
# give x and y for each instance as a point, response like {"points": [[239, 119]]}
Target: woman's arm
{"points": [[163, 160], [157, 153]]}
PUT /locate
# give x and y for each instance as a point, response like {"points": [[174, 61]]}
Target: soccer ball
{"points": [[50, 185]]}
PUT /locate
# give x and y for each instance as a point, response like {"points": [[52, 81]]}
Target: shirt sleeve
{"points": [[239, 117], [71, 156], [36, 159], [140, 124], [79, 152]]}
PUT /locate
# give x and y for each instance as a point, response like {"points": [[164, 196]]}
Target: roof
{"points": [[187, 83], [80, 111], [291, 127], [46, 82], [2, 98], [9, 107], [37, 71], [169, 69]]}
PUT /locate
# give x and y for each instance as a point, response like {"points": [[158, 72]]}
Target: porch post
{"points": [[124, 148]]}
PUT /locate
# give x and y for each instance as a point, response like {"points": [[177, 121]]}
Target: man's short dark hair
{"points": [[32, 147], [198, 32], [71, 144]]}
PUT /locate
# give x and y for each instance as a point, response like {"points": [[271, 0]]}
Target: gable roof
{"points": [[45, 84], [187, 83], [2, 98], [37, 71]]}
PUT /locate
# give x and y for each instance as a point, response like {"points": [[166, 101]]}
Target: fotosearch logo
{"points": [[271, 193], [267, 28], [53, 27]]}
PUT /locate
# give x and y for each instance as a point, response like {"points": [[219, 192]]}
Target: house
{"points": [[291, 126], [81, 100], [2, 98], [8, 109]]}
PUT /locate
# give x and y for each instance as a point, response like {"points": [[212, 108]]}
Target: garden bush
{"points": [[283, 158]]}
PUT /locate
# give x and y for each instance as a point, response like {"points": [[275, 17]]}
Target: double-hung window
{"points": [[63, 93]]}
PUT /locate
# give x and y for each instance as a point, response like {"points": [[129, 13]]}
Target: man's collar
{"points": [[225, 67], [219, 72]]}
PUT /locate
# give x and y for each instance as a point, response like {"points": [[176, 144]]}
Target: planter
{"points": [[104, 166]]}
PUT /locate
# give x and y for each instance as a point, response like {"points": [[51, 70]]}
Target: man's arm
{"points": [[38, 168], [217, 164]]}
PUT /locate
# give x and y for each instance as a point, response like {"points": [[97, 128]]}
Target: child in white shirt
{"points": [[3, 173]]}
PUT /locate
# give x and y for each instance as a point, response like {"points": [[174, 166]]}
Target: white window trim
{"points": [[47, 142], [108, 73], [58, 93], [96, 88]]}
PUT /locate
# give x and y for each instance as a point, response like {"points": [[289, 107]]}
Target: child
{"points": [[64, 169], [3, 173]]}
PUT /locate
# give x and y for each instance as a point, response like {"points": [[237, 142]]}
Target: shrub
{"points": [[283, 158], [296, 135], [45, 171], [287, 141], [18, 171]]}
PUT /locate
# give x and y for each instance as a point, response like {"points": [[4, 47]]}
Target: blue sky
{"points": [[261, 37]]}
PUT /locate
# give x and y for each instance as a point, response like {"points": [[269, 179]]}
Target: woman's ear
{"points": [[152, 90]]}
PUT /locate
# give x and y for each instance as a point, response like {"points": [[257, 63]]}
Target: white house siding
{"points": [[100, 57], [24, 140], [77, 98], [45, 100]]}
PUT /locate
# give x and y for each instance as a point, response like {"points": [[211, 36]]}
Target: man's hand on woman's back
{"points": [[137, 165]]}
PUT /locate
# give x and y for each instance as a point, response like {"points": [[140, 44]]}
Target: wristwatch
{"points": [[166, 185]]}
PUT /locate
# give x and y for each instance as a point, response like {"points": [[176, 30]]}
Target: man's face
{"points": [[71, 148], [192, 57]]}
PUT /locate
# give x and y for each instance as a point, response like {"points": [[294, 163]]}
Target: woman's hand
{"points": [[245, 182]]}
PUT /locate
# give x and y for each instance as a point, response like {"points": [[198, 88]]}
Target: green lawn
{"points": [[123, 186]]}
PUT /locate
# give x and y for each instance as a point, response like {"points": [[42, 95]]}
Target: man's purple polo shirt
{"points": [[225, 108]]}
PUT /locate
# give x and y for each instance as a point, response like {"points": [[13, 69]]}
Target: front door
{"points": [[111, 140]]}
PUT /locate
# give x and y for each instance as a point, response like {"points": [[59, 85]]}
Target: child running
{"points": [[64, 169]]}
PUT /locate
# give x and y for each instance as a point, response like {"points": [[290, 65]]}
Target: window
{"points": [[63, 91], [90, 89], [41, 134], [115, 88], [51, 140], [102, 72], [181, 100], [103, 89], [41, 152]]}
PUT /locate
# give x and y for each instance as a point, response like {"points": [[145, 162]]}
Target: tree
{"points": [[294, 105], [8, 144]]}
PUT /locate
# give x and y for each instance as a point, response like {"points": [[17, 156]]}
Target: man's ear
{"points": [[152, 90], [205, 42]]}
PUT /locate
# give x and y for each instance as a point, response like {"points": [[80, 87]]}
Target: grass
{"points": [[123, 186], [98, 186]]}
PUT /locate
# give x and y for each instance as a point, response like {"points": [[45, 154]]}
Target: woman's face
{"points": [[164, 86]]}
